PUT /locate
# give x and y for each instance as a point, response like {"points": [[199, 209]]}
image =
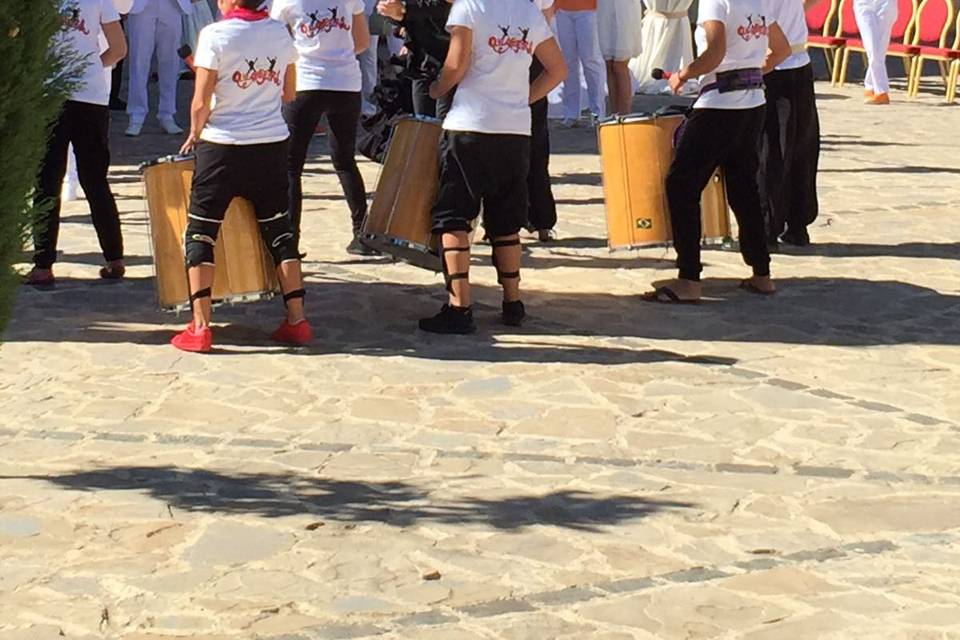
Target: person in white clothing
{"points": [[876, 18], [328, 35], [739, 41], [485, 156], [155, 26], [618, 24], [83, 122], [576, 26], [245, 71]]}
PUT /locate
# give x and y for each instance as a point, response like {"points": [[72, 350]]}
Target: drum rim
{"points": [[399, 242], [235, 298], [419, 118], [167, 159]]}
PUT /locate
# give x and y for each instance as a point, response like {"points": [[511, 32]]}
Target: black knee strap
{"points": [[293, 295], [203, 293], [503, 275], [447, 276]]}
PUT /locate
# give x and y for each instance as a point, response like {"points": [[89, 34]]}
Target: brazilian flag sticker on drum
{"points": [[644, 223]]}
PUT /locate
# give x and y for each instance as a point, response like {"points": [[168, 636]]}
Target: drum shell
{"points": [[399, 221], [245, 270], [635, 155]]}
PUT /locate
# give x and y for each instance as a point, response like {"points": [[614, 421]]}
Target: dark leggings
{"points": [[424, 105], [342, 109], [86, 126], [726, 138]]}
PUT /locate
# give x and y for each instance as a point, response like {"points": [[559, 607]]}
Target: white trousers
{"points": [[157, 29], [368, 72], [875, 18], [578, 39]]}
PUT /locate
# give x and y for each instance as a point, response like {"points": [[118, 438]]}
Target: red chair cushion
{"points": [[939, 52], [828, 41]]}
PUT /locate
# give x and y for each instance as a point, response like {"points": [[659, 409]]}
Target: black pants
{"points": [[727, 138], [87, 127], [424, 105], [116, 77], [542, 212], [342, 109], [482, 170], [223, 172], [790, 152]]}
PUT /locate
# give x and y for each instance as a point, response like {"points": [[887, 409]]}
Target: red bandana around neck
{"points": [[250, 15]]}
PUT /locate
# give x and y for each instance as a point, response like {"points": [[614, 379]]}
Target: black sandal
{"points": [[665, 295], [113, 271]]}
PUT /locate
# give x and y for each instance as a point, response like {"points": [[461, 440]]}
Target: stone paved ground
{"points": [[752, 468]]}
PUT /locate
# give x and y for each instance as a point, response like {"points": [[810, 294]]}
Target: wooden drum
{"points": [[399, 221], [245, 271], [635, 154]]}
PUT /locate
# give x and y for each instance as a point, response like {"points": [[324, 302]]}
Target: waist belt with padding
{"points": [[735, 80]]}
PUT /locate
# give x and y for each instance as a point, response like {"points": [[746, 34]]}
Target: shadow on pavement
{"points": [[394, 503], [379, 318]]}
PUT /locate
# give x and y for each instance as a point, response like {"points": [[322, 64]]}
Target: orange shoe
{"points": [[868, 93], [879, 98], [297, 334], [193, 340]]}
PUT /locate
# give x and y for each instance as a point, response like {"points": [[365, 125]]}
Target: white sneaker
{"points": [[71, 191], [134, 129], [170, 126]]}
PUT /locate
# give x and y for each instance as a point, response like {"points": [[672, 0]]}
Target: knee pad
{"points": [[279, 238], [199, 240]]}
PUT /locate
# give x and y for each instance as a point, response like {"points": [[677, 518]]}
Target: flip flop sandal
{"points": [[113, 272], [665, 295], [749, 287]]}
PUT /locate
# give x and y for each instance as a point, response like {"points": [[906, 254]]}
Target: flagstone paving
{"points": [[748, 469]]}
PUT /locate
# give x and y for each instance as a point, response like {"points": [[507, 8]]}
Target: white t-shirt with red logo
{"points": [[323, 33], [494, 95], [747, 23], [793, 21], [80, 30], [251, 59]]}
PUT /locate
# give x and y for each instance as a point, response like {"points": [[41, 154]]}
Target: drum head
{"points": [[180, 157]]}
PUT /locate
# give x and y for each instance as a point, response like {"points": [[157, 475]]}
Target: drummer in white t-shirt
{"points": [[739, 41], [245, 72], [83, 122], [328, 35], [485, 157]]}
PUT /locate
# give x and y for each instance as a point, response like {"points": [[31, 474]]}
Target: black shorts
{"points": [[482, 169], [257, 172]]}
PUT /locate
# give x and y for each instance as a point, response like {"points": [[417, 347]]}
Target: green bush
{"points": [[35, 81]]}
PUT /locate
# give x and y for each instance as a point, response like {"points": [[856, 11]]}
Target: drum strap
{"points": [[503, 275], [203, 293], [447, 276], [293, 295]]}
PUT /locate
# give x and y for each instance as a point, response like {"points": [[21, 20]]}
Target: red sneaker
{"points": [[193, 340], [299, 333]]}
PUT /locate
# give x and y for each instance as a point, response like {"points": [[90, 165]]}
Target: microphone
{"points": [[660, 74], [186, 54]]}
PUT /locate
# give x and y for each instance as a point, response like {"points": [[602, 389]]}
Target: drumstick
{"points": [[660, 74], [186, 54]]}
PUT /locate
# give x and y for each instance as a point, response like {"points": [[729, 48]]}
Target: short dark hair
{"points": [[251, 4]]}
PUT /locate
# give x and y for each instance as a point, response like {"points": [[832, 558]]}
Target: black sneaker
{"points": [[513, 313], [357, 248], [457, 320]]}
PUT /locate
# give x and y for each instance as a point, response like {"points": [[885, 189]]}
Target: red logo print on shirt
{"points": [[318, 25], [753, 30], [70, 20], [255, 76], [507, 42]]}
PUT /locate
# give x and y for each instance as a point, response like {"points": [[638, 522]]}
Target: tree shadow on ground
{"points": [[395, 503], [933, 250]]}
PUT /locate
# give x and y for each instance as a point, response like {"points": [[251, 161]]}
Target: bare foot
{"points": [[762, 285]]}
